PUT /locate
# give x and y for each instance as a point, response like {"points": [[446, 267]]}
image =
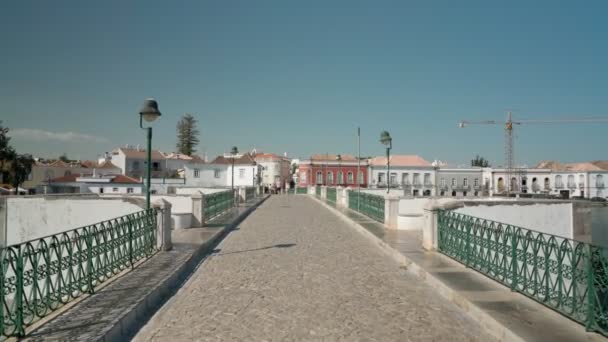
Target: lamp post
{"points": [[149, 112], [234, 151], [386, 140], [339, 159]]}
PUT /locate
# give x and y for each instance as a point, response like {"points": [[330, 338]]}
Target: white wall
{"points": [[551, 217], [248, 178], [192, 190], [30, 218], [207, 175]]}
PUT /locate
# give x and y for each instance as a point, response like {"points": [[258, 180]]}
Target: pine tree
{"points": [[187, 135], [480, 161]]}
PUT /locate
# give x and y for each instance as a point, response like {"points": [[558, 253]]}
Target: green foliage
{"points": [[64, 158], [14, 167], [480, 162], [187, 135]]}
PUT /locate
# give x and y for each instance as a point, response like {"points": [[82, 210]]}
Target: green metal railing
{"points": [[318, 190], [331, 195], [249, 193], [217, 203], [367, 204], [42, 275], [301, 190], [568, 276]]}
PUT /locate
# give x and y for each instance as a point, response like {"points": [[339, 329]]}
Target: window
{"points": [[454, 182], [197, 173], [453, 193], [416, 192], [350, 179], [130, 190], [465, 182], [476, 193], [216, 173], [599, 181], [416, 179], [302, 175], [381, 177], [156, 166], [571, 181], [340, 177], [136, 165], [393, 178], [241, 173], [442, 193], [101, 190], [405, 178], [153, 192], [443, 182], [114, 189], [547, 183], [319, 177], [558, 181], [330, 178], [360, 177], [67, 173], [464, 193], [476, 182], [427, 179]]}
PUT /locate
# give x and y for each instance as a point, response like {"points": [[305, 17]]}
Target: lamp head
{"points": [[149, 111], [385, 138], [234, 151]]}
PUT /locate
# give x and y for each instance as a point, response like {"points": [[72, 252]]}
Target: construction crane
{"points": [[509, 149]]}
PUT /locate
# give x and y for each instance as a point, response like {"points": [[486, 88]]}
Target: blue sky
{"points": [[299, 77]]}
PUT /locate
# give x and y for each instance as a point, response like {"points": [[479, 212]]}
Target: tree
{"points": [[64, 158], [480, 162], [21, 166], [6, 152], [187, 135]]}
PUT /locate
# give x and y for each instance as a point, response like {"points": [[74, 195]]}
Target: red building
{"points": [[332, 170]]}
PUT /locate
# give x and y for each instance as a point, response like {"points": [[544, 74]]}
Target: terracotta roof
{"points": [[332, 157], [141, 154], [245, 159], [400, 160], [180, 156], [59, 163], [269, 156], [88, 164], [576, 167], [107, 165], [602, 164], [117, 179]]}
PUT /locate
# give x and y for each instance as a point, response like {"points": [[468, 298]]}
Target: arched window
{"points": [[547, 183], [501, 184], [360, 177], [319, 177], [349, 176], [558, 181], [405, 178], [571, 181], [330, 178], [340, 177]]}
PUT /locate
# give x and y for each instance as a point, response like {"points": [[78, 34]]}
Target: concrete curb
{"points": [[132, 321], [491, 325]]}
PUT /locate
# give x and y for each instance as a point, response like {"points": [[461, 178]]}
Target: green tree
{"points": [[480, 162], [14, 167], [21, 166], [7, 153], [187, 135], [64, 158]]}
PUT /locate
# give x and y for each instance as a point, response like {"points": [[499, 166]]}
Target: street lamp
{"points": [[339, 159], [234, 151], [386, 140], [149, 112]]}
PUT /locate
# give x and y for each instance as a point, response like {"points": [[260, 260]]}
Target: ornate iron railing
{"points": [[568, 276], [217, 203], [301, 190], [42, 275], [249, 193], [367, 204], [331, 194]]}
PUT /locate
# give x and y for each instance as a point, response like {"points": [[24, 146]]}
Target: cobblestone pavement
{"points": [[296, 272]]}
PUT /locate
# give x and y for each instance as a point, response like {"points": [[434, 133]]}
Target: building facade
{"points": [[218, 173], [411, 173], [460, 182], [330, 170], [274, 169], [132, 162], [98, 184]]}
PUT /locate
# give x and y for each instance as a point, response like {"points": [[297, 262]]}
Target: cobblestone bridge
{"points": [[294, 271]]}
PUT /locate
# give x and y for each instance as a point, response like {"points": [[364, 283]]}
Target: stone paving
{"points": [[294, 271]]}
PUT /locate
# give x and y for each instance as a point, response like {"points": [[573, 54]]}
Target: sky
{"points": [[301, 76]]}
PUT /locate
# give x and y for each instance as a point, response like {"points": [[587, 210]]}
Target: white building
{"points": [[411, 173], [218, 173], [274, 169], [94, 183], [132, 162], [461, 182]]}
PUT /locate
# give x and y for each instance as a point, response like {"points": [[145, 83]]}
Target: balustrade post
{"points": [[89, 243], [431, 225], [163, 225], [242, 196], [19, 328], [590, 324], [514, 242], [198, 209], [324, 192], [391, 211]]}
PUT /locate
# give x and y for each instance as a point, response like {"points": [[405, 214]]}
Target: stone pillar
{"points": [[391, 211], [198, 209], [242, 194], [324, 192], [345, 196], [163, 225], [312, 190], [430, 229]]}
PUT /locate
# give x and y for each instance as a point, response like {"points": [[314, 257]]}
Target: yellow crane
{"points": [[508, 124]]}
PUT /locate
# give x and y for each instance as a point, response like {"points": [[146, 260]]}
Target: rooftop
{"points": [[245, 159], [116, 179], [400, 160], [554, 165]]}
